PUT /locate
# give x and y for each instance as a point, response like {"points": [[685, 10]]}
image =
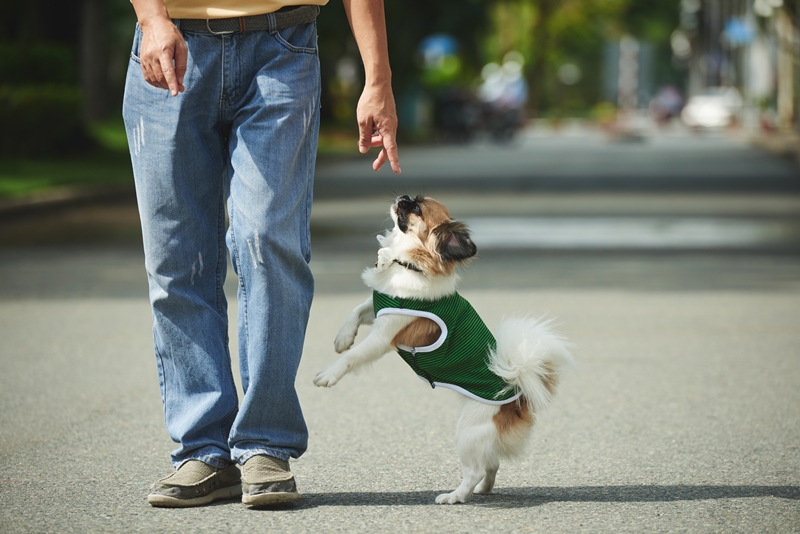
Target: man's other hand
{"points": [[377, 125]]}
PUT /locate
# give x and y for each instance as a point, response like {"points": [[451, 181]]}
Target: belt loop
{"points": [[272, 23], [242, 24]]}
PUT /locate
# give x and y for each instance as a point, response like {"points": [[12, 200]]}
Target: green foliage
{"points": [[40, 104], [41, 119], [407, 23], [550, 33], [24, 176], [38, 63]]}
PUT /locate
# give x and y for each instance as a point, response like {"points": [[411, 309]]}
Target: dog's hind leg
{"points": [[476, 441], [486, 485], [472, 474]]}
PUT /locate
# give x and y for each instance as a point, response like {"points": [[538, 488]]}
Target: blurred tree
{"points": [[549, 33], [93, 49], [407, 23], [552, 33]]}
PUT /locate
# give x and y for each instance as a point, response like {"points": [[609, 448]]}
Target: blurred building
{"points": [[628, 76], [748, 45]]}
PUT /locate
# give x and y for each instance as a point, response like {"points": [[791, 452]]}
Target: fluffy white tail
{"points": [[530, 356]]}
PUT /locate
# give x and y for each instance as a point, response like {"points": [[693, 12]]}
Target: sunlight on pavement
{"points": [[628, 232]]}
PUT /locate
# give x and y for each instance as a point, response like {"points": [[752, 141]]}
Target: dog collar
{"points": [[409, 266]]}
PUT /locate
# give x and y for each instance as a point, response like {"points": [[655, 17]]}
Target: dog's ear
{"points": [[454, 242]]}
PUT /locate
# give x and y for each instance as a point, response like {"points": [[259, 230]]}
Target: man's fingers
{"points": [[377, 139], [380, 160], [181, 57], [388, 153], [151, 77], [167, 68], [364, 137], [390, 148]]}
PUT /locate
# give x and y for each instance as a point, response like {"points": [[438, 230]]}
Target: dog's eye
{"points": [[415, 210]]}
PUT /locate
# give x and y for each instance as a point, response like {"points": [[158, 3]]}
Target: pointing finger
{"points": [[168, 70], [181, 54], [390, 148]]}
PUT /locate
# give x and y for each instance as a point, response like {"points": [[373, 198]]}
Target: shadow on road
{"points": [[527, 497]]}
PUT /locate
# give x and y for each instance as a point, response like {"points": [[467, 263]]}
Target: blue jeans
{"points": [[243, 132]]}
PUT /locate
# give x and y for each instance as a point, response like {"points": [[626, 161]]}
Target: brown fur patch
{"points": [[429, 261], [434, 214], [550, 379], [420, 333], [512, 416]]}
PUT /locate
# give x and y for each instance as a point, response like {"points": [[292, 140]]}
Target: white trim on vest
{"points": [[415, 313]]}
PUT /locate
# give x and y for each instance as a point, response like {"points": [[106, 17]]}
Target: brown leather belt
{"points": [[283, 18]]}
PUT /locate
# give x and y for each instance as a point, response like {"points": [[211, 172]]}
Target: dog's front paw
{"points": [[330, 376], [449, 498], [385, 258], [344, 339]]}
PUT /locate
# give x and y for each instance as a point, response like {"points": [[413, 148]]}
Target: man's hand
{"points": [[377, 125], [163, 52], [163, 55], [376, 115]]}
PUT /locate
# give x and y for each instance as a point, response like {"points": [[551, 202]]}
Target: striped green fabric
{"points": [[462, 360]]}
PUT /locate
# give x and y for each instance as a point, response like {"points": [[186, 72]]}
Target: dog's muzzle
{"points": [[403, 206]]}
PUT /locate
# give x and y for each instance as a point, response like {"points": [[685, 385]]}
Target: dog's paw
{"points": [[385, 258], [450, 498], [330, 377], [344, 339], [482, 489]]}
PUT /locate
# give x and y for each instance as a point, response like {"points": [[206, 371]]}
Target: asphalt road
{"points": [[684, 413]]}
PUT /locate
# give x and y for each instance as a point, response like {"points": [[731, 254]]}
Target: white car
{"points": [[715, 107]]}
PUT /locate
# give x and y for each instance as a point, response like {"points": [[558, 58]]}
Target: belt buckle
{"points": [[208, 27]]}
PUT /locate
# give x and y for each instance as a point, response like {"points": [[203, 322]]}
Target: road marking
{"points": [[629, 232]]}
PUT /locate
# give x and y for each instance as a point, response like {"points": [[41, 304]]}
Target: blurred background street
{"points": [[629, 167]]}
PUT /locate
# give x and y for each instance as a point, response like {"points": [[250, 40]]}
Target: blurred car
{"points": [[715, 107]]}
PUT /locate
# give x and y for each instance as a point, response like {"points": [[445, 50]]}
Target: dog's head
{"points": [[419, 255], [434, 242]]}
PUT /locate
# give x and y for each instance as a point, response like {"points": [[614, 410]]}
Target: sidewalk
{"points": [[782, 144]]}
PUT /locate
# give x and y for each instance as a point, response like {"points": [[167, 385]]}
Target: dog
{"points": [[416, 310]]}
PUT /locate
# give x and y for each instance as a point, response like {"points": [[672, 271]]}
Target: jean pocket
{"points": [[137, 44], [299, 38]]}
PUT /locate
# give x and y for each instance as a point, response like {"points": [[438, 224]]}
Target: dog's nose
{"points": [[403, 199]]}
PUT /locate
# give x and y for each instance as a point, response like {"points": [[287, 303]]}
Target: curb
{"points": [[59, 198], [785, 146]]}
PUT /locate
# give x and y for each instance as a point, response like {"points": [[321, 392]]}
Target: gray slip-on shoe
{"points": [[267, 480], [194, 484]]}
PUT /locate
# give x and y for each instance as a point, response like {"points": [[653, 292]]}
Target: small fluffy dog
{"points": [[415, 310]]}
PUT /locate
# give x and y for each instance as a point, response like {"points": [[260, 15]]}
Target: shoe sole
{"points": [[164, 501], [264, 499]]}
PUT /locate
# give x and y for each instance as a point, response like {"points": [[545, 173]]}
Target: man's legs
{"points": [[254, 96], [275, 116], [178, 151]]}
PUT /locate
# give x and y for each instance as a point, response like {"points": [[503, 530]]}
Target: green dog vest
{"points": [[459, 359]]}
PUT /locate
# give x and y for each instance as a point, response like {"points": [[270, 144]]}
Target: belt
{"points": [[283, 18]]}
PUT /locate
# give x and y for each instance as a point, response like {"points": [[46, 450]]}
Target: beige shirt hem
{"points": [[198, 9]]}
